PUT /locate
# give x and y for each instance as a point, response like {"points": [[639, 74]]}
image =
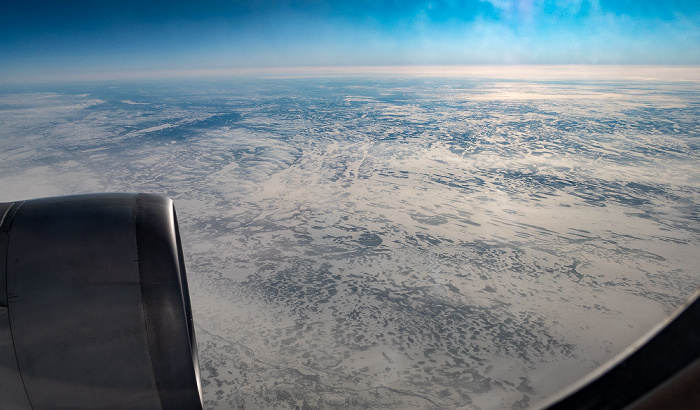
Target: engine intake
{"points": [[94, 305]]}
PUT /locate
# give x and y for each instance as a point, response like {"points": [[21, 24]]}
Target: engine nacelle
{"points": [[94, 305]]}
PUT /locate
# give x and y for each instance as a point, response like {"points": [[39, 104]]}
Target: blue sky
{"points": [[40, 37]]}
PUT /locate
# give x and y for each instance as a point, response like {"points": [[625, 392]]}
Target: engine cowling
{"points": [[94, 305]]}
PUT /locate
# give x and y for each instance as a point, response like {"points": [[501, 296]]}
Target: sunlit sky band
{"points": [[44, 38]]}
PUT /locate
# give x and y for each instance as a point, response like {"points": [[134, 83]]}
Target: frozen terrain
{"points": [[393, 241]]}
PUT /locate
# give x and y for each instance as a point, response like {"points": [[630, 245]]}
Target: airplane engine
{"points": [[94, 305]]}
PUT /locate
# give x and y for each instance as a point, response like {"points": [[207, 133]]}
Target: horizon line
{"points": [[629, 72]]}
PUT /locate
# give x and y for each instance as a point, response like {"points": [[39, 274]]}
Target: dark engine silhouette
{"points": [[94, 305]]}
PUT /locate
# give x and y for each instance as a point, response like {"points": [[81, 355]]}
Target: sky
{"points": [[87, 36]]}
